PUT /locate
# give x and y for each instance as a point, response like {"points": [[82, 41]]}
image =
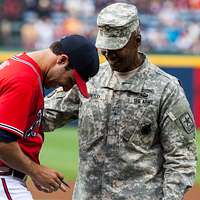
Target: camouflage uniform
{"points": [[136, 137]]}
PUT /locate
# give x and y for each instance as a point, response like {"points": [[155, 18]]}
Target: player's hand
{"points": [[40, 188], [47, 180]]}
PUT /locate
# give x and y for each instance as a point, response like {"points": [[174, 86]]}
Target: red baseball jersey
{"points": [[22, 102]]}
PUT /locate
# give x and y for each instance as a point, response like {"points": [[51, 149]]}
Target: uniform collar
{"points": [[133, 84], [24, 56]]}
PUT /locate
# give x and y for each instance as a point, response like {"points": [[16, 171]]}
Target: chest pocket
{"points": [[140, 123], [92, 120]]}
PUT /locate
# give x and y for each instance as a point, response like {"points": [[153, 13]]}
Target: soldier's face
{"points": [[122, 60]]}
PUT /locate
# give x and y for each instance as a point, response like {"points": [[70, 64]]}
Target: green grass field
{"points": [[60, 151]]}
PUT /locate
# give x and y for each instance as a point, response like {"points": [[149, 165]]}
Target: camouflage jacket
{"points": [[136, 138]]}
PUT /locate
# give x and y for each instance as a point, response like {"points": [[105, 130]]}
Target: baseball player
{"points": [[136, 132], [72, 60]]}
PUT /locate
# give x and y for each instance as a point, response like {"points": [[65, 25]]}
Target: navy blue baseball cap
{"points": [[83, 58]]}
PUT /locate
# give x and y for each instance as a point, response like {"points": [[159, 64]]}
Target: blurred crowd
{"points": [[168, 26]]}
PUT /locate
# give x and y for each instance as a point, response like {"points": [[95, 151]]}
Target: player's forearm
{"points": [[46, 178], [13, 156]]}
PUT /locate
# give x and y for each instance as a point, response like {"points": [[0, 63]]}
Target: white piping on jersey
{"points": [[11, 128], [32, 67]]}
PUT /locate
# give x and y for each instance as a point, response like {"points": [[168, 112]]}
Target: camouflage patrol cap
{"points": [[116, 22]]}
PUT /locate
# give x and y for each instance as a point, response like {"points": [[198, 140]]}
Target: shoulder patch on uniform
{"points": [[187, 122]]}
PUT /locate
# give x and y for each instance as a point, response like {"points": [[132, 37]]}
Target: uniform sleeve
{"points": [[60, 107], [16, 104], [178, 142]]}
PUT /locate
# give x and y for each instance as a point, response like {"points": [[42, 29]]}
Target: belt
{"points": [[14, 173]]}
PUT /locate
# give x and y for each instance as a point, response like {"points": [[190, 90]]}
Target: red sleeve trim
{"points": [[12, 129]]}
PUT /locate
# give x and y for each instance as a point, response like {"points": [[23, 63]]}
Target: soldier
{"points": [[136, 131]]}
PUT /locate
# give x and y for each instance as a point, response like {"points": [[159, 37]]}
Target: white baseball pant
{"points": [[12, 188]]}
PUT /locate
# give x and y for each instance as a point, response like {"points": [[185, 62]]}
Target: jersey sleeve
{"points": [[16, 104]]}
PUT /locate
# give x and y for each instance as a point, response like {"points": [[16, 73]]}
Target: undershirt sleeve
{"points": [[6, 136]]}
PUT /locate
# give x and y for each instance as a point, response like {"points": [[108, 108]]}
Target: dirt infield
{"points": [[37, 195], [193, 194]]}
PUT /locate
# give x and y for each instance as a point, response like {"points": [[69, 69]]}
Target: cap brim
{"points": [[112, 43], [80, 83]]}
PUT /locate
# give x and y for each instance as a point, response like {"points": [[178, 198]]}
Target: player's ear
{"points": [[63, 59]]}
